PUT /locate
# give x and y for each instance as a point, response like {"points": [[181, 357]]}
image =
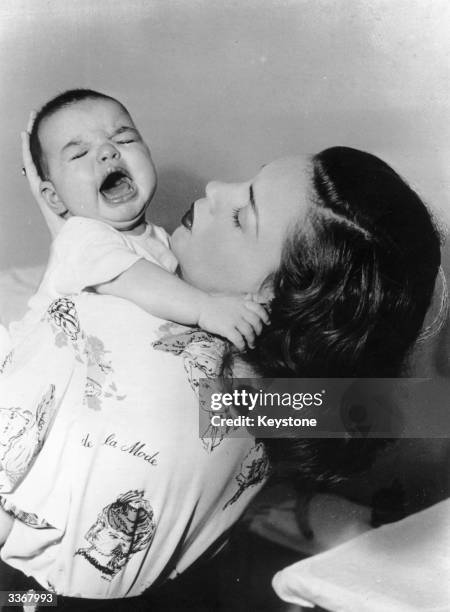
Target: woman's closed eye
{"points": [[235, 216]]}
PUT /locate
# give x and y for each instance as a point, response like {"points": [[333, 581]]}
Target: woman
{"points": [[350, 255]]}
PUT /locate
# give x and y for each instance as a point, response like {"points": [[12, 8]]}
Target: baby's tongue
{"points": [[117, 189]]}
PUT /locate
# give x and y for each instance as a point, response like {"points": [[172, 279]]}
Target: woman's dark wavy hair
{"points": [[350, 295]]}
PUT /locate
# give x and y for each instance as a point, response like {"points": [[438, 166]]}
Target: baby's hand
{"points": [[236, 318]]}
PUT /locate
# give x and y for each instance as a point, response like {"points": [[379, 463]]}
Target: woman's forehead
{"points": [[281, 191], [292, 168]]}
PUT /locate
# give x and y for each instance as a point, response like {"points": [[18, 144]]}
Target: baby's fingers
{"points": [[259, 310], [235, 337], [254, 320], [247, 332]]}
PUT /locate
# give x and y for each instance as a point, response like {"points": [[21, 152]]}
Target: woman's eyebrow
{"points": [[254, 209]]}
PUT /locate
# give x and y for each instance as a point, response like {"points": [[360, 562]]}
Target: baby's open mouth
{"points": [[118, 187]]}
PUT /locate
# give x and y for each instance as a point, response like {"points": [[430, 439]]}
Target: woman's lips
{"points": [[188, 218]]}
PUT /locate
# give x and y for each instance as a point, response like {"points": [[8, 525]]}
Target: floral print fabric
{"points": [[116, 470]]}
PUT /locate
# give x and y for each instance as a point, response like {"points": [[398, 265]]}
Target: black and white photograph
{"points": [[224, 309]]}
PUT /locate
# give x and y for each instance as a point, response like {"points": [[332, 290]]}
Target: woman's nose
{"points": [[226, 194], [107, 152], [213, 189]]}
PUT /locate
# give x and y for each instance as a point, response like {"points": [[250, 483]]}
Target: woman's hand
{"points": [[54, 222]]}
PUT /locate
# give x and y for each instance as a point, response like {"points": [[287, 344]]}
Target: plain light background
{"points": [[219, 87]]}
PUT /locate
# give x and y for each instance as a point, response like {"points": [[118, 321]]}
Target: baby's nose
{"points": [[107, 152]]}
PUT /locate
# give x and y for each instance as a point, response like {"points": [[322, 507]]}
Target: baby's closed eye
{"points": [[127, 136], [78, 155]]}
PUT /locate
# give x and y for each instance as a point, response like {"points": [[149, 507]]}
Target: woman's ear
{"points": [[53, 200]]}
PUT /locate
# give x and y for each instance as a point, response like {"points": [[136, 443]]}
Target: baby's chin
{"points": [[135, 225], [124, 217]]}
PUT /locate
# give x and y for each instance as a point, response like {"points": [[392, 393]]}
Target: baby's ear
{"points": [[53, 200]]}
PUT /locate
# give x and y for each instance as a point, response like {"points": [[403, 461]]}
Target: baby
{"points": [[97, 172]]}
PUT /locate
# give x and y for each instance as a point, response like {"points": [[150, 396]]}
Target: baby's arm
{"points": [[90, 254], [167, 296]]}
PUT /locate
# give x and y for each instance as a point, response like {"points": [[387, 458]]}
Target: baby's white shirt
{"points": [[88, 252]]}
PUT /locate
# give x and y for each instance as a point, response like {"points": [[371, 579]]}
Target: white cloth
{"points": [[401, 567], [87, 252], [17, 285], [124, 488]]}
